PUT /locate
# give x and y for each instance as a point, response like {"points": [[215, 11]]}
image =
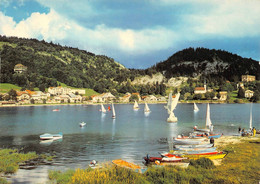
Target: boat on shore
{"points": [[187, 141], [209, 126], [194, 149], [178, 164], [164, 158], [215, 136], [218, 155], [194, 146], [48, 136], [128, 165]]}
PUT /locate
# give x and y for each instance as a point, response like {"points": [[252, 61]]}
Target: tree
{"points": [[12, 94], [241, 93], [42, 87], [197, 96], [255, 97], [133, 98]]}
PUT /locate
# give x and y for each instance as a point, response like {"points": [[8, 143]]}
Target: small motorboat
{"points": [[194, 146], [82, 124], [48, 136], [215, 136], [164, 158], [56, 110]]}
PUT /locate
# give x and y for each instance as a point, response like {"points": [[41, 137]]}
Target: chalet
{"points": [[248, 78], [249, 93], [96, 98], [150, 98], [19, 68], [75, 98], [223, 95], [22, 95], [161, 99], [104, 97], [79, 91]]}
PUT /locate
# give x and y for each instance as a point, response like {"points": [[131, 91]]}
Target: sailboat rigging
{"points": [[146, 108], [195, 107], [113, 112], [172, 117], [136, 106], [209, 125], [103, 108]]}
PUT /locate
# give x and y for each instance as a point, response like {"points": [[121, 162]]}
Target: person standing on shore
{"points": [[254, 131], [239, 130]]}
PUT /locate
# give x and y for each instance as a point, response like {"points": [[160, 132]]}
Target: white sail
{"points": [[250, 120], [195, 107], [208, 121], [172, 117], [168, 106], [146, 108], [113, 112], [136, 106], [103, 108]]}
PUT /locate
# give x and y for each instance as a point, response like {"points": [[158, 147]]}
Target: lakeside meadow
{"points": [[241, 165]]}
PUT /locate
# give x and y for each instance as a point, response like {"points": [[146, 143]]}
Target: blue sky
{"points": [[137, 33]]}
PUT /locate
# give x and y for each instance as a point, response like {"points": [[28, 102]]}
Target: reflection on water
{"points": [[130, 136]]}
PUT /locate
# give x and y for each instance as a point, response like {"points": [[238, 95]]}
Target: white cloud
{"points": [[53, 27]]}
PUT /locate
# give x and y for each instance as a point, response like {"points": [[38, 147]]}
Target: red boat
{"points": [[173, 158]]}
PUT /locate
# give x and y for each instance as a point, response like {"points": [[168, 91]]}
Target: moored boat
{"points": [[215, 136], [218, 155], [82, 124], [188, 141], [194, 146], [194, 149], [178, 164], [48, 136]]}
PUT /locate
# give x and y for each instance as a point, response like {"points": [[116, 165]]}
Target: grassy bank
{"points": [[241, 165], [10, 159]]}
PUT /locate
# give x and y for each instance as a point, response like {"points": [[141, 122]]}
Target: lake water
{"points": [[130, 136]]}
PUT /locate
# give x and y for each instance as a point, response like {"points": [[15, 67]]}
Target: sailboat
{"points": [[195, 107], [250, 120], [208, 126], [172, 117], [146, 108], [136, 106], [113, 112], [103, 108]]}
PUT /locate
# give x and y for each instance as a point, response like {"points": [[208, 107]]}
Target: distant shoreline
{"points": [[187, 102]]}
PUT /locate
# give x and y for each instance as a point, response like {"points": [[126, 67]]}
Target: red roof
{"points": [[199, 89]]}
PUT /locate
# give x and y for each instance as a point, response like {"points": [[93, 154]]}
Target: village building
{"points": [[104, 97], [59, 90], [161, 99], [240, 84], [125, 98], [150, 98], [200, 90], [75, 98], [248, 78], [223, 95], [19, 68], [65, 91], [249, 93], [22, 96]]}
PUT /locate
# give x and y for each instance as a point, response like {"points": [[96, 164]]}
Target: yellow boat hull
{"points": [[211, 157]]}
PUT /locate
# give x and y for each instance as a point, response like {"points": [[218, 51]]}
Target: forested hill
{"points": [[210, 63], [48, 63]]}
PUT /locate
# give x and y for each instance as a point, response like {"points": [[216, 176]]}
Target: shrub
{"points": [[203, 162]]}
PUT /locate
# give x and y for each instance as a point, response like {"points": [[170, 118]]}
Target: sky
{"points": [[137, 33]]}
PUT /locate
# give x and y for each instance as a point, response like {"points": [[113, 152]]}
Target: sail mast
{"points": [[250, 120], [208, 121]]}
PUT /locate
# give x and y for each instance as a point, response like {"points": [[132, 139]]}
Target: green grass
{"points": [[241, 165], [5, 87], [10, 158]]}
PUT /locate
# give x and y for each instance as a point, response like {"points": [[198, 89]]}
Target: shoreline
{"points": [[188, 102]]}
